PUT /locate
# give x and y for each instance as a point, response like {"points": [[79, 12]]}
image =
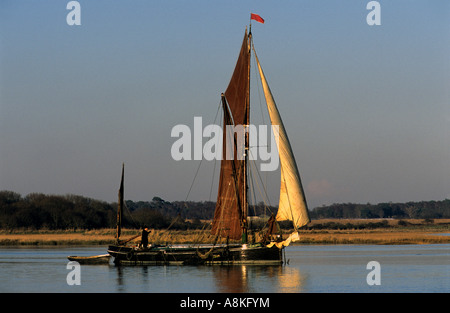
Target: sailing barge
{"points": [[231, 217]]}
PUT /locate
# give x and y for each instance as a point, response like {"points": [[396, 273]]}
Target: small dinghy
{"points": [[96, 259]]}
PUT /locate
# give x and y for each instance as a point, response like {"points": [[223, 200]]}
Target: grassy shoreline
{"points": [[332, 231]]}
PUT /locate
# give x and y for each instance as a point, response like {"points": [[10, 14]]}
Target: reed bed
{"points": [[379, 237], [414, 233]]}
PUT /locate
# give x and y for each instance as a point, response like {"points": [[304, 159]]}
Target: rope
{"points": [[207, 254], [131, 216], [195, 177], [215, 162], [198, 168], [265, 195]]}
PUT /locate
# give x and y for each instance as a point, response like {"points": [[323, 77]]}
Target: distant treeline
{"points": [[423, 210], [40, 211]]}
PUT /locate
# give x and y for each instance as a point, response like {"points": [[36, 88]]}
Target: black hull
{"points": [[203, 255]]}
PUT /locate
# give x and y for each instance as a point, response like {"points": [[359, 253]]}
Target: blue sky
{"points": [[366, 107]]}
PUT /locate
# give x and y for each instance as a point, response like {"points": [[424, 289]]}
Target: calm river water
{"points": [[324, 268]]}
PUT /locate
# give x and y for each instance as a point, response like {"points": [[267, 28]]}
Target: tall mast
{"points": [[246, 148]]}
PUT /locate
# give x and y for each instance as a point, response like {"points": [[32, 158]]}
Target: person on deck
{"points": [[144, 237]]}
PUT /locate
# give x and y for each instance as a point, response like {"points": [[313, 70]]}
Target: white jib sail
{"points": [[292, 205]]}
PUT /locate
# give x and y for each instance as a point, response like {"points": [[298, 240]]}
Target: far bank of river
{"points": [[336, 233]]}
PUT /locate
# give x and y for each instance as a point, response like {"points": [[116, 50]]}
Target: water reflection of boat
{"points": [[231, 213], [282, 279], [290, 279]]}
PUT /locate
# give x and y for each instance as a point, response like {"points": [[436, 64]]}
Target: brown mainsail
{"points": [[230, 214]]}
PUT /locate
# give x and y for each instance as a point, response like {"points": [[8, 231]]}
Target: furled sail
{"points": [[120, 206], [229, 212], [292, 205]]}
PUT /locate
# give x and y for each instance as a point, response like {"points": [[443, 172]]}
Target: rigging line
{"points": [[265, 191], [252, 183], [212, 180], [195, 176], [267, 204], [266, 207], [173, 222], [253, 193], [129, 213], [257, 85], [215, 162], [196, 173], [198, 168]]}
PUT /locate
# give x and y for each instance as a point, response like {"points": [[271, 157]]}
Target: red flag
{"points": [[256, 17]]}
